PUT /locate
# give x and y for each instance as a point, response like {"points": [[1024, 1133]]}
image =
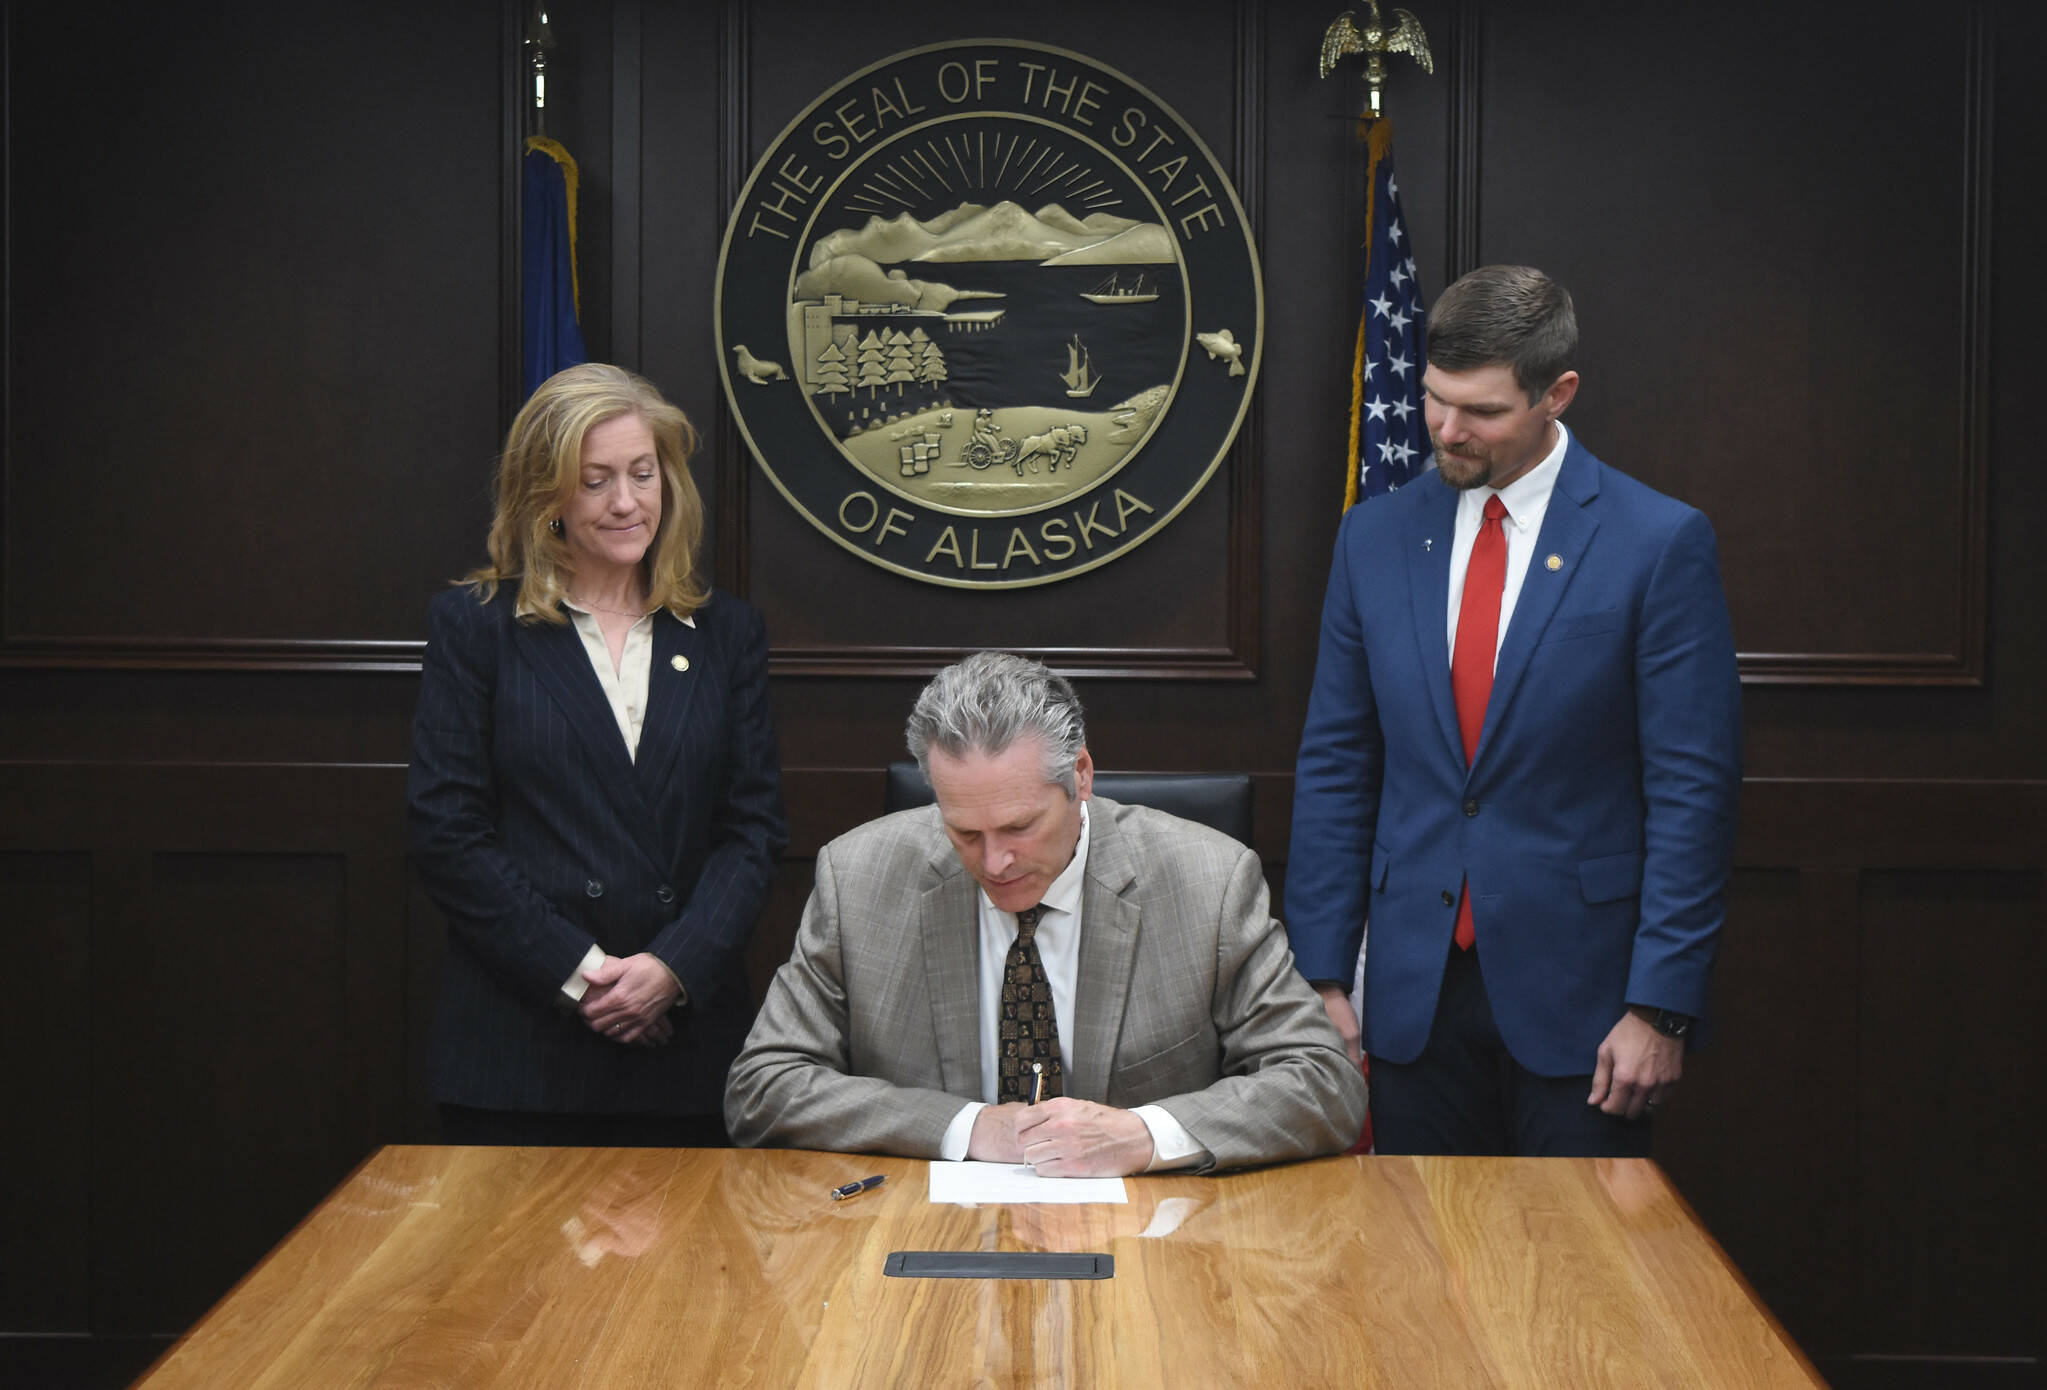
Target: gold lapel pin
{"points": [[1554, 562], [681, 663]]}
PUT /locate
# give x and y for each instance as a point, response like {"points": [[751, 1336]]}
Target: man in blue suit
{"points": [[1521, 763]]}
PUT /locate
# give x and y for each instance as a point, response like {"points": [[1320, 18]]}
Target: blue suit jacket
{"points": [[538, 834], [1595, 823]]}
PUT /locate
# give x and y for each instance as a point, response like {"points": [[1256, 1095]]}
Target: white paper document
{"points": [[982, 1184]]}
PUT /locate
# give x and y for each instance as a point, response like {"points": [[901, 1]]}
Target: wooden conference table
{"points": [[681, 1267]]}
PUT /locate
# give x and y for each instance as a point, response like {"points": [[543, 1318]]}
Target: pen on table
{"points": [[854, 1189], [1037, 1082]]}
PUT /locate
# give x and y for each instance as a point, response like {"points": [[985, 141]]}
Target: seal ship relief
{"points": [[984, 314]]}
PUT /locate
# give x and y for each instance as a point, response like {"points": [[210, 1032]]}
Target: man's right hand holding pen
{"points": [[1062, 1137]]}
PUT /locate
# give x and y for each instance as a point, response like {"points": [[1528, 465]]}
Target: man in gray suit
{"points": [[1021, 942]]}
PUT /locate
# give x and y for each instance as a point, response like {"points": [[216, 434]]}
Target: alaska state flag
{"points": [[1389, 439], [552, 333]]}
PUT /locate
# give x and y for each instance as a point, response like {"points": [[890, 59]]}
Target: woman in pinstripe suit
{"points": [[594, 797]]}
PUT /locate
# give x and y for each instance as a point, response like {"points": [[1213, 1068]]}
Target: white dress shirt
{"points": [[1526, 500], [1058, 938]]}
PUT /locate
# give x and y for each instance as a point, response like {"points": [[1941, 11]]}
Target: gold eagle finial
{"points": [[1375, 41]]}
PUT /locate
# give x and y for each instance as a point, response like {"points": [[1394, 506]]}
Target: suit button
{"points": [[1449, 898], [594, 888], [664, 894], [1471, 808]]}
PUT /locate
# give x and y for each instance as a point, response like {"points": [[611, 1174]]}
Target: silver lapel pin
{"points": [[680, 663], [1428, 544]]}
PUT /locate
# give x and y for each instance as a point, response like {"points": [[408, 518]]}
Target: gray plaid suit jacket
{"points": [[870, 1037]]}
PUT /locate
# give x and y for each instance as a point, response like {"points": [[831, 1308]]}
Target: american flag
{"points": [[1389, 438], [1389, 435]]}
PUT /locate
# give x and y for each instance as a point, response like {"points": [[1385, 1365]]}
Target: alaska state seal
{"points": [[989, 314]]}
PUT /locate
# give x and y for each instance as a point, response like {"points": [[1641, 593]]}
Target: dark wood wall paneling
{"points": [[227, 1024], [254, 377], [255, 331], [255, 317], [1720, 243], [1863, 1133]]}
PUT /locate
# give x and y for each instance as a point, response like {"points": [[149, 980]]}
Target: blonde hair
{"points": [[539, 472]]}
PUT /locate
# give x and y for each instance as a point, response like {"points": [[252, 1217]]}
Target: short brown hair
{"points": [[1505, 315]]}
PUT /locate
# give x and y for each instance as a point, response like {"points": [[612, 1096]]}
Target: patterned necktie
{"points": [[1029, 1032], [1471, 661]]}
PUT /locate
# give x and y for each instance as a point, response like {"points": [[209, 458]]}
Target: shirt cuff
{"points": [[575, 985], [1171, 1145], [960, 1133]]}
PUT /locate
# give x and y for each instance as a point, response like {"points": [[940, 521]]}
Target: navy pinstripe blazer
{"points": [[538, 834]]}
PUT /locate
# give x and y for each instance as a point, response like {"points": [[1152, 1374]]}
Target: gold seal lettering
{"points": [[799, 174], [1159, 137], [884, 108], [1126, 504], [1031, 71], [889, 528], [1053, 532], [954, 75], [1091, 94], [1088, 524], [1019, 544], [948, 543], [849, 117], [830, 141], [1053, 90], [1168, 171], [792, 181], [1074, 97], [873, 510]]}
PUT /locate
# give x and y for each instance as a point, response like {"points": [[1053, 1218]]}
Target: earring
{"points": [[555, 526]]}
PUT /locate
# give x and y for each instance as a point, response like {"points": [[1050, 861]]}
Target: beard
{"points": [[1461, 471]]}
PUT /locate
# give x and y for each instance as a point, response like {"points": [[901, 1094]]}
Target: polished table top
{"points": [[685, 1267]]}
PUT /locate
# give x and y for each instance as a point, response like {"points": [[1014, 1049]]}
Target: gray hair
{"points": [[990, 700], [1505, 315]]}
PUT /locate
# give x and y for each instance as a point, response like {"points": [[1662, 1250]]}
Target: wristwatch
{"points": [[1670, 1023]]}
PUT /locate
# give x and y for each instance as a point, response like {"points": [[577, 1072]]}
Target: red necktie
{"points": [[1471, 661]]}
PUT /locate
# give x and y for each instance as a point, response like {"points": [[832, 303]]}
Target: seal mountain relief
{"points": [[971, 276]]}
